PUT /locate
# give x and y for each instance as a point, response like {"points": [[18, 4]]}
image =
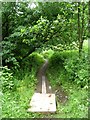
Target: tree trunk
{"points": [[79, 31], [82, 30], [0, 38]]}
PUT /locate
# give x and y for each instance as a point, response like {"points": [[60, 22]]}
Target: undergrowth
{"points": [[70, 72], [66, 70]]}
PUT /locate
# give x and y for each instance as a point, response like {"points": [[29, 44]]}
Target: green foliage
{"points": [[34, 60], [29, 37], [47, 53], [75, 87], [58, 58], [7, 79], [77, 69], [77, 103], [16, 103], [26, 30]]}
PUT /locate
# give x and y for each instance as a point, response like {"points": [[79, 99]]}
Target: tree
{"points": [[9, 17], [81, 28], [81, 25], [48, 25]]}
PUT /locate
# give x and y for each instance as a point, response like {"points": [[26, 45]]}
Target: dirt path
{"points": [[61, 95]]}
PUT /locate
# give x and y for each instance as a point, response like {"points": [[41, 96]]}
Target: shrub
{"points": [[47, 53], [6, 79], [34, 60], [58, 58], [70, 66], [77, 69]]}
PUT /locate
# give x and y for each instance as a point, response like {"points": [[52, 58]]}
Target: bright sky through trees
{"points": [[32, 5]]}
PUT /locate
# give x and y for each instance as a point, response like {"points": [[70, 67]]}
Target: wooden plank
{"points": [[43, 85], [43, 103]]}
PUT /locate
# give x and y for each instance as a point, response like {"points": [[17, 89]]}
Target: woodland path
{"points": [[41, 77], [60, 94], [44, 99]]}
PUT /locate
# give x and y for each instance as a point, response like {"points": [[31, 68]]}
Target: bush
{"points": [[7, 79], [77, 69], [69, 66], [58, 58], [34, 60], [47, 53]]}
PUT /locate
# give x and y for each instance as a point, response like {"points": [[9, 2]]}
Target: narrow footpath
{"points": [[43, 85], [43, 100], [46, 88]]}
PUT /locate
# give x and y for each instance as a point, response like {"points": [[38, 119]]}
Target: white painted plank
{"points": [[43, 103]]}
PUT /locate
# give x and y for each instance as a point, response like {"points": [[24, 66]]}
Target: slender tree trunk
{"points": [[1, 38], [82, 30], [79, 31], [89, 35], [89, 50]]}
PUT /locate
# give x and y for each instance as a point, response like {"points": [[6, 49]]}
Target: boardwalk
{"points": [[43, 99], [42, 79]]}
